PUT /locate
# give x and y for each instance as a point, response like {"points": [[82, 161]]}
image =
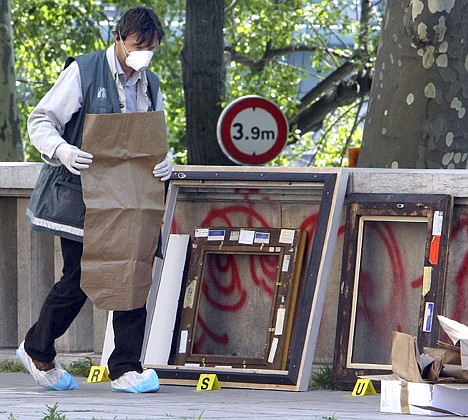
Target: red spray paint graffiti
{"points": [[399, 298], [224, 281], [458, 272]]}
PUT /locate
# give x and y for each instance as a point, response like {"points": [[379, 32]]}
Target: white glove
{"points": [[163, 170], [73, 158]]}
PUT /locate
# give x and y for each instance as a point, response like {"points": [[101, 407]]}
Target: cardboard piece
{"points": [[400, 396], [124, 207], [434, 365], [425, 384]]}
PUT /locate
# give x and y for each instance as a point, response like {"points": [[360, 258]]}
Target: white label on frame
{"points": [[274, 347], [437, 223], [286, 236], [183, 341], [280, 315], [201, 233], [246, 237], [286, 261]]}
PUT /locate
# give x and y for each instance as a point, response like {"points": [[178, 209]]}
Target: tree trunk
{"points": [[204, 80], [11, 145], [419, 95]]}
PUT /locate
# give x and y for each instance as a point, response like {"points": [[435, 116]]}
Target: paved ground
{"points": [[22, 399]]}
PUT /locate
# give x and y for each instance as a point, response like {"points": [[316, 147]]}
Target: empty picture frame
{"points": [[240, 297], [217, 185], [393, 278]]}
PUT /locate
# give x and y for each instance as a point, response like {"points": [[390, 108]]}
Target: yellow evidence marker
{"points": [[98, 374], [363, 387], [208, 382]]}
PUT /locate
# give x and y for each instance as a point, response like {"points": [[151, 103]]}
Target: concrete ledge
{"points": [[23, 175], [30, 263], [409, 181], [19, 175]]}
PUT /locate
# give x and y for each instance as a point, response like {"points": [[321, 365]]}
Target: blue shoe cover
{"points": [[136, 383]]}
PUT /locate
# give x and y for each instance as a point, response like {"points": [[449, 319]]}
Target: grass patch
{"points": [[76, 368], [12, 366], [53, 413], [321, 378], [80, 367]]}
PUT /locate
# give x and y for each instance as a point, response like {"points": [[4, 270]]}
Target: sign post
{"points": [[252, 130]]}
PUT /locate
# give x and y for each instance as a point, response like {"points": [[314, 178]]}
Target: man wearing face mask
{"points": [[111, 81]]}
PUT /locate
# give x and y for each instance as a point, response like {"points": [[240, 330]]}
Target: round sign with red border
{"points": [[252, 130]]}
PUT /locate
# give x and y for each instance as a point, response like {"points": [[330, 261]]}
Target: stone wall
{"points": [[30, 263]]}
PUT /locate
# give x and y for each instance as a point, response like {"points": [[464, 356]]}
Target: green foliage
{"points": [[76, 368], [53, 413], [166, 64], [8, 365], [321, 378], [259, 37], [80, 367], [329, 33], [340, 131], [198, 418], [45, 33]]}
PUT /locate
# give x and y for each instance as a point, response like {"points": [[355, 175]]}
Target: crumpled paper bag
{"points": [[124, 207], [405, 357]]}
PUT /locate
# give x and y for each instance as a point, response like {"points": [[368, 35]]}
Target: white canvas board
{"points": [[162, 325], [108, 346], [164, 315]]}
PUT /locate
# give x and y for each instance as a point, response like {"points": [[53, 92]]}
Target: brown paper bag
{"points": [[405, 355], [124, 207]]}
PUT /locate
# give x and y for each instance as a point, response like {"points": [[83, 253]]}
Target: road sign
{"points": [[252, 130]]}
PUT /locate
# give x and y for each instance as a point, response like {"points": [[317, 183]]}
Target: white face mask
{"points": [[137, 60]]}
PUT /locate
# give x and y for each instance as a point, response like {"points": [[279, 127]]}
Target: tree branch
{"points": [[324, 86], [270, 53], [335, 91], [344, 93]]}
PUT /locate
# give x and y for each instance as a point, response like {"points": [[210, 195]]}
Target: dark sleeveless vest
{"points": [[56, 205]]}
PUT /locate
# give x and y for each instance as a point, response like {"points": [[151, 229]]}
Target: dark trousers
{"points": [[64, 303]]}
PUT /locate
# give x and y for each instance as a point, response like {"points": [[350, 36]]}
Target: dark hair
{"points": [[142, 21]]}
